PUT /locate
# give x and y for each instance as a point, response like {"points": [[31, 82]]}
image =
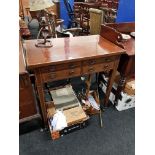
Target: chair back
{"points": [[96, 19], [109, 15]]}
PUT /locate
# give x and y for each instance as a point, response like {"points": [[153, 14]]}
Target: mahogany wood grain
{"points": [[129, 46], [71, 57], [66, 50], [27, 105], [123, 27], [127, 61], [111, 34]]}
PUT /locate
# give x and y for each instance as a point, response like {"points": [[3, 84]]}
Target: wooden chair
{"points": [[115, 5], [78, 11], [110, 3], [109, 15], [85, 17], [96, 19]]}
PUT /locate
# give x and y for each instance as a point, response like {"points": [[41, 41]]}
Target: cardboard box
{"points": [[130, 87], [65, 99], [75, 115]]}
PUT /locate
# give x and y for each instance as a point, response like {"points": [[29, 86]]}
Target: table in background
{"points": [[127, 61]]}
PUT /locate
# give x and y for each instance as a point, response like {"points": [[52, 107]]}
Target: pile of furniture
{"points": [[82, 13]]}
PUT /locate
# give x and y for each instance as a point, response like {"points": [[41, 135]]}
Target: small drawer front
{"points": [[107, 59], [49, 69], [97, 68], [63, 74], [105, 66], [59, 67], [74, 65], [91, 62]]}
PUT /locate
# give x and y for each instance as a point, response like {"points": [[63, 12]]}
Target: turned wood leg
{"points": [[120, 88]]}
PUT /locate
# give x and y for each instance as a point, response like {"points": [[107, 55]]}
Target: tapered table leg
{"points": [[110, 83]]}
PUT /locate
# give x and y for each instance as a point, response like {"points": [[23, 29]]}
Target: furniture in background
{"points": [[27, 104], [127, 61], [24, 30], [21, 9], [96, 19], [113, 4], [77, 8], [82, 14], [109, 15], [71, 57], [85, 15]]}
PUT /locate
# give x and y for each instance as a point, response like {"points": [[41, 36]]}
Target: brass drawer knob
{"points": [[71, 66], [71, 72], [105, 66], [91, 69], [92, 62]]}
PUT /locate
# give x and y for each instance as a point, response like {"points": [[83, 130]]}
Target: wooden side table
{"points": [[71, 57], [127, 61]]}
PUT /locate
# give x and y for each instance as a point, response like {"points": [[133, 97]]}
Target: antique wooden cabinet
{"points": [[27, 104]]}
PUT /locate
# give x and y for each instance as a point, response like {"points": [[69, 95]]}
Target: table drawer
{"points": [[97, 67], [66, 66], [63, 74], [99, 60]]}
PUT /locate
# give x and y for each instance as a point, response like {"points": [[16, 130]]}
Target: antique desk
{"points": [[27, 105], [70, 57], [127, 61]]}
